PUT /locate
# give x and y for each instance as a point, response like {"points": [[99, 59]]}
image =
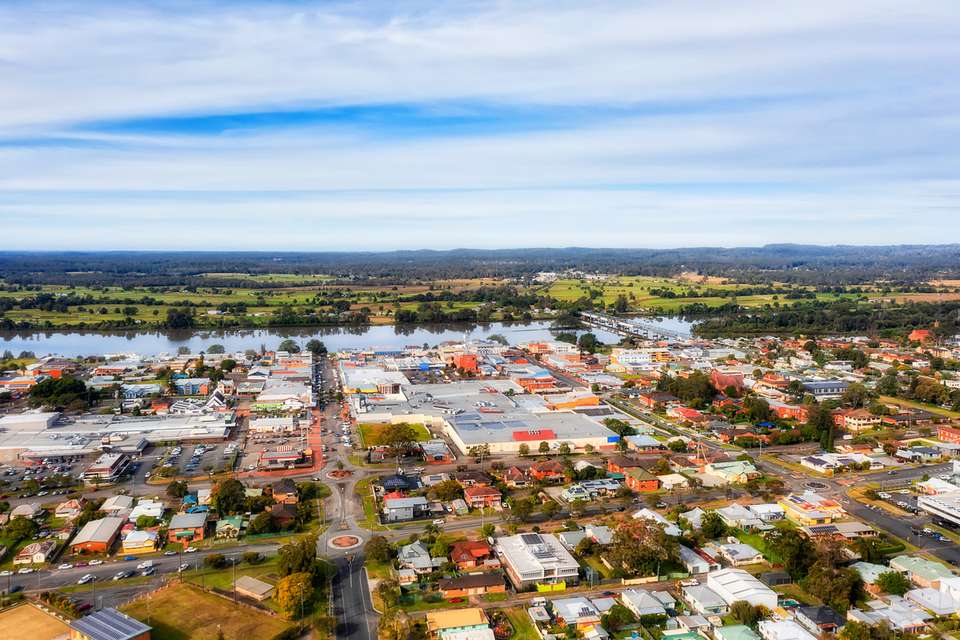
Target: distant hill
{"points": [[783, 262]]}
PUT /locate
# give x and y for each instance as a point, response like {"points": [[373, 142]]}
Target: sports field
{"points": [[370, 433]]}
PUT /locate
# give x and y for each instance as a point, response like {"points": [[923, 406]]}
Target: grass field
{"points": [[370, 433], [522, 625], [920, 405], [182, 611]]}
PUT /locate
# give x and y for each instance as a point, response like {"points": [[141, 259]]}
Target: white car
{"points": [[169, 553], [87, 578], [26, 570], [145, 565], [94, 563], [184, 567], [65, 565], [190, 550], [6, 573]]}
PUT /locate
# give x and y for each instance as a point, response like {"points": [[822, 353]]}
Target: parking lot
{"points": [[197, 460]]}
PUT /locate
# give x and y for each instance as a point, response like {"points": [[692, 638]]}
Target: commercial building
{"points": [[945, 506], [250, 587], [35, 552], [187, 527], [107, 468], [108, 624], [535, 560], [809, 508], [97, 536]]}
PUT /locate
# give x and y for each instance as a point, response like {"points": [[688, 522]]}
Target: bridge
{"points": [[630, 326]]}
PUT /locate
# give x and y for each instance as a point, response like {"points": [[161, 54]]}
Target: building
{"points": [[107, 468], [809, 508], [735, 632], [922, 572], [228, 528], [416, 557], [285, 491], [577, 612], [186, 528], [444, 624], [108, 624], [733, 472], [400, 509], [97, 536], [476, 584], [737, 584], [35, 552], [140, 542], [697, 561], [250, 587], [471, 554], [117, 506], [535, 560], [825, 388], [945, 506], [783, 630], [705, 600], [641, 603], [69, 509], [819, 619], [739, 554], [482, 497]]}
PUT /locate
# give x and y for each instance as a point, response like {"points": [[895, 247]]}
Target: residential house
{"points": [[401, 509], [35, 553], [735, 632], [447, 623], [640, 480], [117, 506], [70, 509], [739, 554], [478, 497], [470, 554], [810, 508], [473, 478], [649, 514], [704, 600], [549, 470], [922, 572], [416, 556], [140, 542], [641, 603], [898, 613], [476, 584], [228, 528], [30, 511], [698, 561], [283, 514], [819, 619], [187, 528], [734, 472], [514, 478], [737, 584], [578, 612], [285, 491], [783, 630]]}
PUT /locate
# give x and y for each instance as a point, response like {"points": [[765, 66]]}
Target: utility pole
{"points": [[234, 558]]}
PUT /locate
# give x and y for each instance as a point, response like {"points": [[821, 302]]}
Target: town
{"points": [[658, 485]]}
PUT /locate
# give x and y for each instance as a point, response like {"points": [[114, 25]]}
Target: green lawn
{"points": [[523, 628], [370, 433], [371, 519], [756, 541]]}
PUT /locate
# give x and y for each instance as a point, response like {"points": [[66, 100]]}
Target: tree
{"points": [[20, 528], [397, 438], [177, 489], [229, 497], [389, 592], [564, 449], [757, 408], [661, 467], [293, 591], [888, 385], [894, 583], [639, 547], [550, 508], [488, 530], [544, 447], [712, 526], [446, 491], [521, 509], [523, 450], [316, 347], [678, 445], [251, 557], [216, 348], [145, 522], [745, 613], [854, 630], [855, 396], [796, 551], [289, 345], [440, 549], [617, 617], [297, 557], [228, 364], [215, 561], [262, 523], [836, 585], [379, 549], [588, 343]]}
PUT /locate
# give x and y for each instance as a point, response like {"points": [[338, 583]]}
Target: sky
{"points": [[248, 125]]}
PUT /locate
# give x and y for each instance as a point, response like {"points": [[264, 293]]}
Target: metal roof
{"points": [[109, 624]]}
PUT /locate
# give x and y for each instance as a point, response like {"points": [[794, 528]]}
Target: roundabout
{"points": [[344, 542]]}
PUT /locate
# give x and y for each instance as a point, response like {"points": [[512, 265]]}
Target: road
{"points": [[353, 607]]}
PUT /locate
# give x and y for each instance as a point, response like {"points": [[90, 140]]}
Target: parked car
{"points": [[94, 563], [87, 578], [65, 565]]}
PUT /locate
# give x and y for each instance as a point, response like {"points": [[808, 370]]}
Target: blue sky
{"points": [[383, 125]]}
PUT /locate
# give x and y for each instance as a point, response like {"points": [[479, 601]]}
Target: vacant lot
{"points": [[183, 612], [28, 621], [370, 433]]}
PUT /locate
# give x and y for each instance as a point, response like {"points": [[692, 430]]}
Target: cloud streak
{"points": [[478, 124]]}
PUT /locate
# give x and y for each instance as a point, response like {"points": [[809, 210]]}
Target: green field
{"points": [[180, 612], [370, 433]]}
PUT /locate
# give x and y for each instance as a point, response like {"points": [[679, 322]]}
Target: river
{"points": [[73, 344]]}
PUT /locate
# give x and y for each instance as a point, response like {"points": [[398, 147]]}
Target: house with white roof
{"points": [[641, 603], [737, 584], [649, 514], [783, 630]]}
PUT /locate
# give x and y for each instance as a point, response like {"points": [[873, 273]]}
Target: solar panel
{"points": [[531, 538]]}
